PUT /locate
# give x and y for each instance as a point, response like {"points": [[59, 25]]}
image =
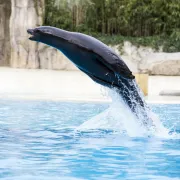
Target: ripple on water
{"points": [[39, 140]]}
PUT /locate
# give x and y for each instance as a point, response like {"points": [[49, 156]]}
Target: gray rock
{"points": [[5, 48], [24, 53], [51, 58], [147, 60], [169, 93], [28, 54]]}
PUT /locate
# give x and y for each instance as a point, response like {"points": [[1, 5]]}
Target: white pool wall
{"points": [[72, 86]]}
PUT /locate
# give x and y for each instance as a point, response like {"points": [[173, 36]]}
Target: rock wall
{"points": [[27, 54], [16, 16], [147, 60], [5, 12], [50, 58], [25, 14]]}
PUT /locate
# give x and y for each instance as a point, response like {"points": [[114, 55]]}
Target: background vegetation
{"points": [[152, 23]]}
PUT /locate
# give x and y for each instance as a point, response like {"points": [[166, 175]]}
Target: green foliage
{"points": [[156, 42], [143, 22], [58, 16]]}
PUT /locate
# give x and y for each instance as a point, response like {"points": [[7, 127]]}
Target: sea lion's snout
{"points": [[38, 32], [30, 31], [35, 34]]}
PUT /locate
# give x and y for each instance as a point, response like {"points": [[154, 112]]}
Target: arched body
{"points": [[94, 58]]}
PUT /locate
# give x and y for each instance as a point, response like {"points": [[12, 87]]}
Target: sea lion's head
{"points": [[49, 35], [38, 34]]}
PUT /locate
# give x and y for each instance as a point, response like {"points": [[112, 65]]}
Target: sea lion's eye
{"points": [[37, 31]]}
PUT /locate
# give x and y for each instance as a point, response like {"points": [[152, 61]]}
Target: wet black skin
{"points": [[94, 58]]}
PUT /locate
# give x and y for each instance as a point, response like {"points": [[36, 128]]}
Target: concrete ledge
{"points": [[163, 99], [158, 84], [169, 93], [54, 85]]}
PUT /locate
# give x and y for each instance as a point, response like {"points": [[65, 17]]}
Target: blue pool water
{"points": [[39, 141]]}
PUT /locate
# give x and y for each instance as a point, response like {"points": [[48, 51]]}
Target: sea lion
{"points": [[95, 59]]}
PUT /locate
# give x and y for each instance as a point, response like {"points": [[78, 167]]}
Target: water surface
{"points": [[39, 140]]}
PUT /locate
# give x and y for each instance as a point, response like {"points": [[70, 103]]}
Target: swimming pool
{"points": [[39, 140]]}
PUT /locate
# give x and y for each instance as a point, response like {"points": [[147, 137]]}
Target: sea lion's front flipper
{"points": [[117, 65], [113, 62]]}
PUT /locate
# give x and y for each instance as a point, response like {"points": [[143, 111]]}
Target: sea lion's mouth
{"points": [[36, 33], [32, 33]]}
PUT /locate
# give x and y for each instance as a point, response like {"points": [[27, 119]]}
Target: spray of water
{"points": [[120, 118]]}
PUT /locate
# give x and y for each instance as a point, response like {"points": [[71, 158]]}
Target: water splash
{"points": [[120, 118]]}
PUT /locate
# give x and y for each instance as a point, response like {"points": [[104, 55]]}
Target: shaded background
{"points": [[146, 33]]}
